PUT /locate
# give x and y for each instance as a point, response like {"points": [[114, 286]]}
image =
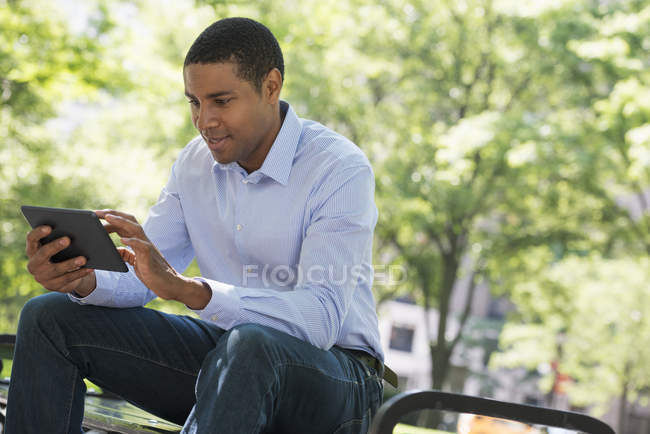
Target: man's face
{"points": [[235, 120]]}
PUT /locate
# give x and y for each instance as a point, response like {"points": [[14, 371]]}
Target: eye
{"points": [[223, 101], [193, 102]]}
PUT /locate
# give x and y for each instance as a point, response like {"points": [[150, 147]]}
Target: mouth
{"points": [[215, 143]]}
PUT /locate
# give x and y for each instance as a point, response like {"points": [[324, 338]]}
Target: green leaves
{"points": [[589, 315]]}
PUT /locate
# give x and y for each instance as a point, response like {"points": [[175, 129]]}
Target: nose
{"points": [[205, 119]]}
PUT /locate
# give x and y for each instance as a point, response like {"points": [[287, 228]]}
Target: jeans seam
{"points": [[366, 416], [71, 397], [313, 368], [164, 365]]}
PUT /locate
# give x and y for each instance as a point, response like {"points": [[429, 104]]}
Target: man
{"points": [[279, 213]]}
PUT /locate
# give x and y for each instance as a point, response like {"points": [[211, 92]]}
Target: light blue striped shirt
{"points": [[287, 246]]}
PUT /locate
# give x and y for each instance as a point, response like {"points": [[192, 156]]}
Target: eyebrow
{"points": [[210, 95]]}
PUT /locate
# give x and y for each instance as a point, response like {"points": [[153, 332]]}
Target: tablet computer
{"points": [[87, 235]]}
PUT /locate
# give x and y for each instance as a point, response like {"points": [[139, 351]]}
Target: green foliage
{"points": [[568, 316], [40, 63], [599, 188]]}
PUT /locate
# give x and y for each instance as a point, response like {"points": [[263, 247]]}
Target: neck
{"points": [[276, 124]]}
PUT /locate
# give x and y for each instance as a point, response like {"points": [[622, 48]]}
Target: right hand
{"points": [[66, 276]]}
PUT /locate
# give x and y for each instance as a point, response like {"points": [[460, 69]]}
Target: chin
{"points": [[220, 159]]}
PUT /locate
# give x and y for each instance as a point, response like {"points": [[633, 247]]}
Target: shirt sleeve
{"points": [[165, 227], [333, 263]]}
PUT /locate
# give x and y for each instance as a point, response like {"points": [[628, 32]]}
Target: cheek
{"points": [[246, 122]]}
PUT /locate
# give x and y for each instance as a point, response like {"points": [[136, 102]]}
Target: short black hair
{"points": [[248, 43]]}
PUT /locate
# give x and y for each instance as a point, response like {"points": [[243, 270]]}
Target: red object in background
{"points": [[560, 381]]}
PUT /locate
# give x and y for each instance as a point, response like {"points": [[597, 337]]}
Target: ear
{"points": [[272, 85]]}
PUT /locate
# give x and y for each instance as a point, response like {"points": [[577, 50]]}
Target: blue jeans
{"points": [[248, 379]]}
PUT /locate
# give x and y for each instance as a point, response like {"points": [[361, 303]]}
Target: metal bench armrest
{"points": [[394, 409]]}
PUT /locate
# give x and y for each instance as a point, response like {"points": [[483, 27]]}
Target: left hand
{"points": [[149, 264]]}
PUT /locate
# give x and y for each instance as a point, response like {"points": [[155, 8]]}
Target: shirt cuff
{"points": [[223, 307], [95, 297]]}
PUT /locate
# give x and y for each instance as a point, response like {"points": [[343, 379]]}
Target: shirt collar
{"points": [[279, 160]]}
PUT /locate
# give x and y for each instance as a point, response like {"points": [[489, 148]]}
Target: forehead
{"points": [[206, 78]]}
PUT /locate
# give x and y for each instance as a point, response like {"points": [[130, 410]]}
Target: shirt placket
{"points": [[240, 225]]}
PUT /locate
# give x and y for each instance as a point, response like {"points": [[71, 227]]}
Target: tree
{"points": [[609, 176], [502, 155], [41, 62], [601, 344], [464, 175], [617, 57]]}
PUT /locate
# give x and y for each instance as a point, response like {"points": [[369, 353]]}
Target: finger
{"points": [[33, 239], [141, 248], [62, 281], [110, 228], [102, 214], [60, 268], [124, 251], [136, 244], [124, 227], [50, 249], [127, 255]]}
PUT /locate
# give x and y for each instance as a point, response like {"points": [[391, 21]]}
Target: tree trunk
{"points": [[440, 352], [440, 369], [622, 408]]}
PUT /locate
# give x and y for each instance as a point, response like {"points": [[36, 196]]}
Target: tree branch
{"points": [[466, 311], [482, 196], [518, 90]]}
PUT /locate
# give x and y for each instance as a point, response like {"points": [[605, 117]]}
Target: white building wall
{"points": [[415, 366]]}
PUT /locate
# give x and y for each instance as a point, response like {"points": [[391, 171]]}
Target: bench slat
{"points": [[115, 415]]}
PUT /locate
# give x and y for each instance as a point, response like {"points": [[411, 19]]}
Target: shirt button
{"points": [[214, 317], [239, 227], [245, 181]]}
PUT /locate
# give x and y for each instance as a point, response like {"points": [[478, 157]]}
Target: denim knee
{"points": [[37, 309], [251, 339], [247, 347]]}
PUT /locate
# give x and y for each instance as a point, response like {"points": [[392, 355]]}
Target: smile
{"points": [[215, 143]]}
